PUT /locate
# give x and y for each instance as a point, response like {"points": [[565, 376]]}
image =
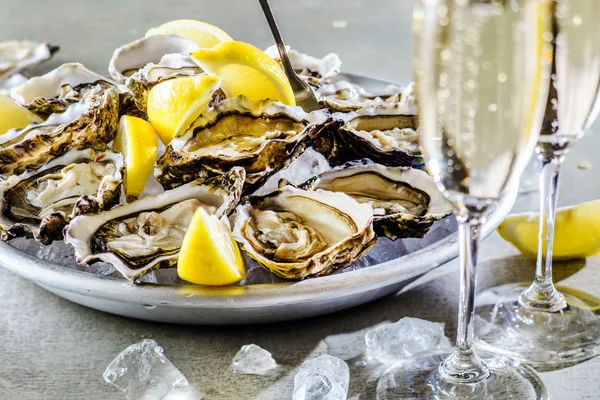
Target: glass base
{"points": [[543, 339], [419, 378]]}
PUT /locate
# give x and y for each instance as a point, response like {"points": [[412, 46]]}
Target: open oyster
{"points": [[405, 200], [296, 233], [315, 71], [40, 203], [17, 55], [147, 234], [55, 91], [92, 121], [169, 67], [263, 137], [344, 96], [128, 59]]}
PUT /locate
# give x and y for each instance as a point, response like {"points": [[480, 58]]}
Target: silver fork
{"points": [[303, 94]]}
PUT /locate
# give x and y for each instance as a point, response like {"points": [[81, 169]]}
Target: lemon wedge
{"points": [[246, 70], [174, 104], [209, 255], [14, 116], [205, 35], [137, 141], [576, 232]]}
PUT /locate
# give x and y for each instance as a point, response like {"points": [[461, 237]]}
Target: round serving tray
{"points": [[53, 269]]}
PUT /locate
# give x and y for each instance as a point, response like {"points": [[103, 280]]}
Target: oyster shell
{"points": [[128, 59], [169, 67], [315, 71], [387, 135], [147, 234], [15, 80], [40, 203], [92, 121], [296, 233], [345, 96], [17, 55], [263, 137], [55, 91], [405, 201]]}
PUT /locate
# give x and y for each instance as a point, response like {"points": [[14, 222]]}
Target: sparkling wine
{"points": [[489, 86], [573, 100]]}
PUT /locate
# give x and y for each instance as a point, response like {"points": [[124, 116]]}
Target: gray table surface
{"points": [[53, 349]]}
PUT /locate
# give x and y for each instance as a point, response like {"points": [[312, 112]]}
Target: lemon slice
{"points": [[137, 141], [14, 116], [209, 255], [174, 104], [246, 70], [205, 35], [576, 233]]}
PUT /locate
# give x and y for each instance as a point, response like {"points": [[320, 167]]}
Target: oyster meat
{"points": [[405, 201], [39, 203], [263, 137], [147, 234], [55, 91], [17, 55], [296, 233], [315, 71], [92, 121], [128, 59]]}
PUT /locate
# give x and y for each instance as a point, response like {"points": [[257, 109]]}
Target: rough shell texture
{"points": [[169, 67], [92, 121], [91, 235], [39, 203], [55, 91], [405, 201], [17, 55], [344, 96], [262, 137], [297, 234], [128, 59]]}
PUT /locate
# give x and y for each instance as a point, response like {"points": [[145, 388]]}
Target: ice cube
{"points": [[253, 359], [391, 342], [143, 372], [322, 378]]}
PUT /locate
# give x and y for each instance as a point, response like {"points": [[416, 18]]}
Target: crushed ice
{"points": [[253, 359], [322, 378]]}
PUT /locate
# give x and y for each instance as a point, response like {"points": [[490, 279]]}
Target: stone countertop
{"points": [[53, 349]]}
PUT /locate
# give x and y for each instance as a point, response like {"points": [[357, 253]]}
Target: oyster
{"points": [[147, 234], [169, 67], [315, 71], [263, 137], [15, 80], [128, 59], [386, 135], [345, 96], [296, 233], [55, 91], [17, 55], [405, 201], [40, 203], [92, 121]]}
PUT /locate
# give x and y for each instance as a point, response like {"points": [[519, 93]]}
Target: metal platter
{"points": [[53, 268]]}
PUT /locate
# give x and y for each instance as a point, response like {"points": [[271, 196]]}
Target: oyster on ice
{"points": [[55, 91], [405, 201], [147, 234], [90, 122], [39, 203], [128, 59], [296, 233], [315, 71], [263, 137], [17, 55]]}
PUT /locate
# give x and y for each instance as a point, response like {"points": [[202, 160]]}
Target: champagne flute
{"points": [[541, 325], [481, 78]]}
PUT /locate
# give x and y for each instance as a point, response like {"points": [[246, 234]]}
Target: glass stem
{"points": [[542, 295], [463, 365]]}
